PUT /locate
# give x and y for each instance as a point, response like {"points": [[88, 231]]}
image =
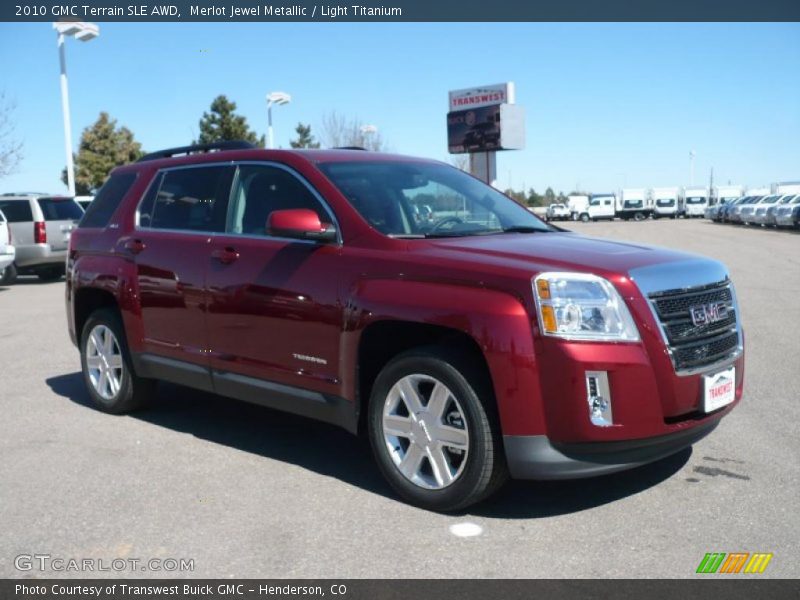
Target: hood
{"points": [[533, 252]]}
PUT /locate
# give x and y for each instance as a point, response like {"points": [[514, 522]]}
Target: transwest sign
{"points": [[485, 95]]}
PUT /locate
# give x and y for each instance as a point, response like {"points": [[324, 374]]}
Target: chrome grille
{"points": [[696, 346]]}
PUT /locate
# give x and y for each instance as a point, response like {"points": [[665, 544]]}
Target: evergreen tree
{"points": [[304, 137], [222, 124], [103, 146]]}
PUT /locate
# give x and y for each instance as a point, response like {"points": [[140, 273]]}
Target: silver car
{"points": [[7, 250], [40, 226], [746, 205], [759, 216], [788, 214]]}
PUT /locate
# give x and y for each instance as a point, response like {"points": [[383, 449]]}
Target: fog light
{"points": [[598, 395]]}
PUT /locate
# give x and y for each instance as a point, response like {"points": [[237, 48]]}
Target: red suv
{"points": [[469, 344]]}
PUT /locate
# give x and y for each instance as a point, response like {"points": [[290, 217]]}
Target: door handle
{"points": [[134, 246], [225, 255]]}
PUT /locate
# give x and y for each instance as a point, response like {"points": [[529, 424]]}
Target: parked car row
{"points": [[674, 202], [773, 210], [39, 227]]}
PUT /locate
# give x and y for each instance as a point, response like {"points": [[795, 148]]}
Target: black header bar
{"points": [[265, 11]]}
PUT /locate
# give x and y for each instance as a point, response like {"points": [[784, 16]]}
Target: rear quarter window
{"points": [[108, 198], [17, 211], [60, 209]]}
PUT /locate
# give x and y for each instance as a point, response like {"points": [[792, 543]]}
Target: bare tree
{"points": [[10, 146], [460, 161], [339, 131]]}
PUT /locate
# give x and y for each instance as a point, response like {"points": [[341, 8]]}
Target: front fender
{"points": [[497, 321]]}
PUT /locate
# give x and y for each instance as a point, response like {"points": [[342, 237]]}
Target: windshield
{"points": [[770, 200], [696, 200], [633, 203], [665, 202], [390, 196]]}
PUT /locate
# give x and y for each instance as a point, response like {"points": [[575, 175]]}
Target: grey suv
{"points": [[41, 226]]}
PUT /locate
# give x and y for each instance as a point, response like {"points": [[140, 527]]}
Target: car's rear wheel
{"points": [[8, 275], [434, 432], [585, 218], [106, 364]]}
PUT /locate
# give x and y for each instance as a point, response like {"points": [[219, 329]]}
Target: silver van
{"points": [[40, 226]]}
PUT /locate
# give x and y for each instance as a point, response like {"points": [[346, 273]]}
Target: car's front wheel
{"points": [[434, 431], [106, 364]]}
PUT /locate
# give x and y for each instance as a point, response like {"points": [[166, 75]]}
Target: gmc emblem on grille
{"points": [[703, 314]]}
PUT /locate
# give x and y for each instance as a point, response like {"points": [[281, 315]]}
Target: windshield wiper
{"points": [[454, 234], [524, 229]]}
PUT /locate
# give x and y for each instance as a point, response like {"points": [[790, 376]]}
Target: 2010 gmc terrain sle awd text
{"points": [[406, 299]]}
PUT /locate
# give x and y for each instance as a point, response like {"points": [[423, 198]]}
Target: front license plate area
{"points": [[719, 389]]}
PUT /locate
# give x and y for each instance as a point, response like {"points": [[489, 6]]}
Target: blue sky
{"points": [[608, 105]]}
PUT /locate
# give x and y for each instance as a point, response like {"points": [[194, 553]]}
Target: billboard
{"points": [[486, 129]]}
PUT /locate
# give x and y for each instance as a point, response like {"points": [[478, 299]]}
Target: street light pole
{"points": [[270, 141], [83, 32], [367, 131], [278, 98], [65, 110]]}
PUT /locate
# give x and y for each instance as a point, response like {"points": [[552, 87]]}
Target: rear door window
{"points": [[17, 211], [60, 209], [191, 199], [102, 208]]}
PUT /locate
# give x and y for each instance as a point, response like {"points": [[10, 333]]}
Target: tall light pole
{"points": [[367, 131], [279, 98], [692, 154], [83, 32]]}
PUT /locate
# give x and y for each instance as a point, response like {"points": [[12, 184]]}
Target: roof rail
{"points": [[350, 148], [196, 148]]}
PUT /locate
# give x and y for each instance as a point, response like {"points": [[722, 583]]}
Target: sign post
{"points": [[480, 122]]}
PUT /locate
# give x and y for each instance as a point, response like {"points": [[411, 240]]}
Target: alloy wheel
{"points": [[425, 431], [104, 362]]}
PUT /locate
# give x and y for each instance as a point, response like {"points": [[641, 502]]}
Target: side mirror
{"points": [[300, 223]]}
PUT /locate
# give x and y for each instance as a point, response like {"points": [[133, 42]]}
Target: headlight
{"points": [[580, 306]]}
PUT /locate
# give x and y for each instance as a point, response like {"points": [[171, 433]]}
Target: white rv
{"points": [[667, 202], [696, 200], [636, 204], [728, 193], [787, 187]]}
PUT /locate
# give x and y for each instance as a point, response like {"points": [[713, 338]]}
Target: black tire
{"points": [[484, 469], [8, 275], [585, 218], [50, 274], [638, 217], [134, 391]]}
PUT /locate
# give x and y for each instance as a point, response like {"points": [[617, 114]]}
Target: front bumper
{"points": [[536, 457]]}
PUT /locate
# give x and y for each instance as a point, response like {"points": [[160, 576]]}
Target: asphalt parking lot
{"points": [[249, 492]]}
